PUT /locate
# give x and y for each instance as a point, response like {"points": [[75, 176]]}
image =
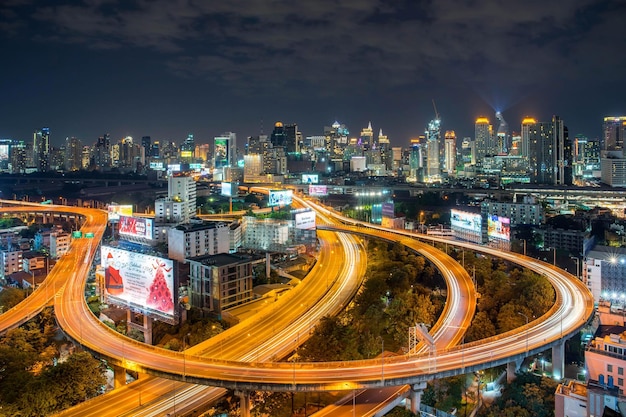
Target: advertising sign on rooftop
{"points": [[136, 226], [310, 178], [305, 220], [318, 190], [499, 227], [117, 210], [388, 210], [280, 197], [466, 221], [140, 282]]}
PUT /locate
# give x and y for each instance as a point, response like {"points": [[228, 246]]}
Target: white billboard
{"points": [[117, 210], [230, 189], [305, 220], [136, 226], [499, 227], [310, 178], [140, 282], [318, 190], [280, 197], [467, 221]]}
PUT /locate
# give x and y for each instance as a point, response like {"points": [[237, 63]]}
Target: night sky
{"points": [[167, 68]]}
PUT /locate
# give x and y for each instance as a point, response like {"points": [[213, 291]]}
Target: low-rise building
{"points": [[59, 244], [604, 272], [528, 212], [219, 282], [197, 239]]}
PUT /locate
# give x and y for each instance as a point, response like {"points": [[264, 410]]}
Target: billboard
{"points": [[310, 178], [498, 227], [305, 220], [186, 154], [318, 190], [388, 210], [140, 282], [157, 166], [467, 221], [280, 197], [117, 210], [221, 152], [230, 189], [136, 226]]}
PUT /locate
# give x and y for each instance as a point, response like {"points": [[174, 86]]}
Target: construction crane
{"points": [[436, 112]]}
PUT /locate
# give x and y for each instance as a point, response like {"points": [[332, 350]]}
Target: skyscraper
{"points": [[550, 153], [526, 123], [41, 149], [502, 135], [73, 154], [224, 150], [433, 136], [450, 152], [613, 132], [483, 138], [367, 136]]}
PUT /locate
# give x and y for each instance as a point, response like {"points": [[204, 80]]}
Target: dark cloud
{"points": [[283, 49]]}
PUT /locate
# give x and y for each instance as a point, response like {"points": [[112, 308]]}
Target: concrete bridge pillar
{"points": [[119, 376], [558, 361], [244, 404], [415, 396], [511, 369]]}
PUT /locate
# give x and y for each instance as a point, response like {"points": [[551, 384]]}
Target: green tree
{"points": [[77, 379], [10, 297], [481, 328]]}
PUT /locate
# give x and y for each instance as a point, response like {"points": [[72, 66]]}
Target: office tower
{"points": [[549, 153], [502, 135], [41, 149], [202, 152], [293, 138], [433, 136], [450, 152], [613, 131], [187, 148], [525, 140], [146, 144], [336, 139], [416, 160], [483, 138], [17, 157], [367, 136], [73, 154], [102, 153], [384, 149], [155, 151], [278, 136], [224, 150], [85, 157], [468, 152]]}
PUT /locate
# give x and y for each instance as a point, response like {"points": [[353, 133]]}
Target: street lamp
{"points": [[526, 317]]}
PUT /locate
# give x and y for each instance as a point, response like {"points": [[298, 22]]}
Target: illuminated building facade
{"points": [[483, 138], [450, 152]]}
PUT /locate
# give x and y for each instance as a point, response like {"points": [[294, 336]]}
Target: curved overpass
{"points": [[364, 374], [573, 308]]}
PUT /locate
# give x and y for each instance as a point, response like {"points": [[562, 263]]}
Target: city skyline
{"points": [[166, 69]]}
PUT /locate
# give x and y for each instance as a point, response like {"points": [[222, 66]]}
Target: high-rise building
{"points": [[278, 136], [183, 188], [188, 148], [293, 138], [416, 159], [525, 138], [367, 136], [224, 150], [613, 132], [502, 135], [384, 149], [549, 153], [433, 137], [73, 154], [483, 138], [146, 144], [336, 139], [101, 154], [450, 152], [41, 149]]}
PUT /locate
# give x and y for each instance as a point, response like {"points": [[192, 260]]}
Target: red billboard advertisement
{"points": [[136, 226], [143, 283]]}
